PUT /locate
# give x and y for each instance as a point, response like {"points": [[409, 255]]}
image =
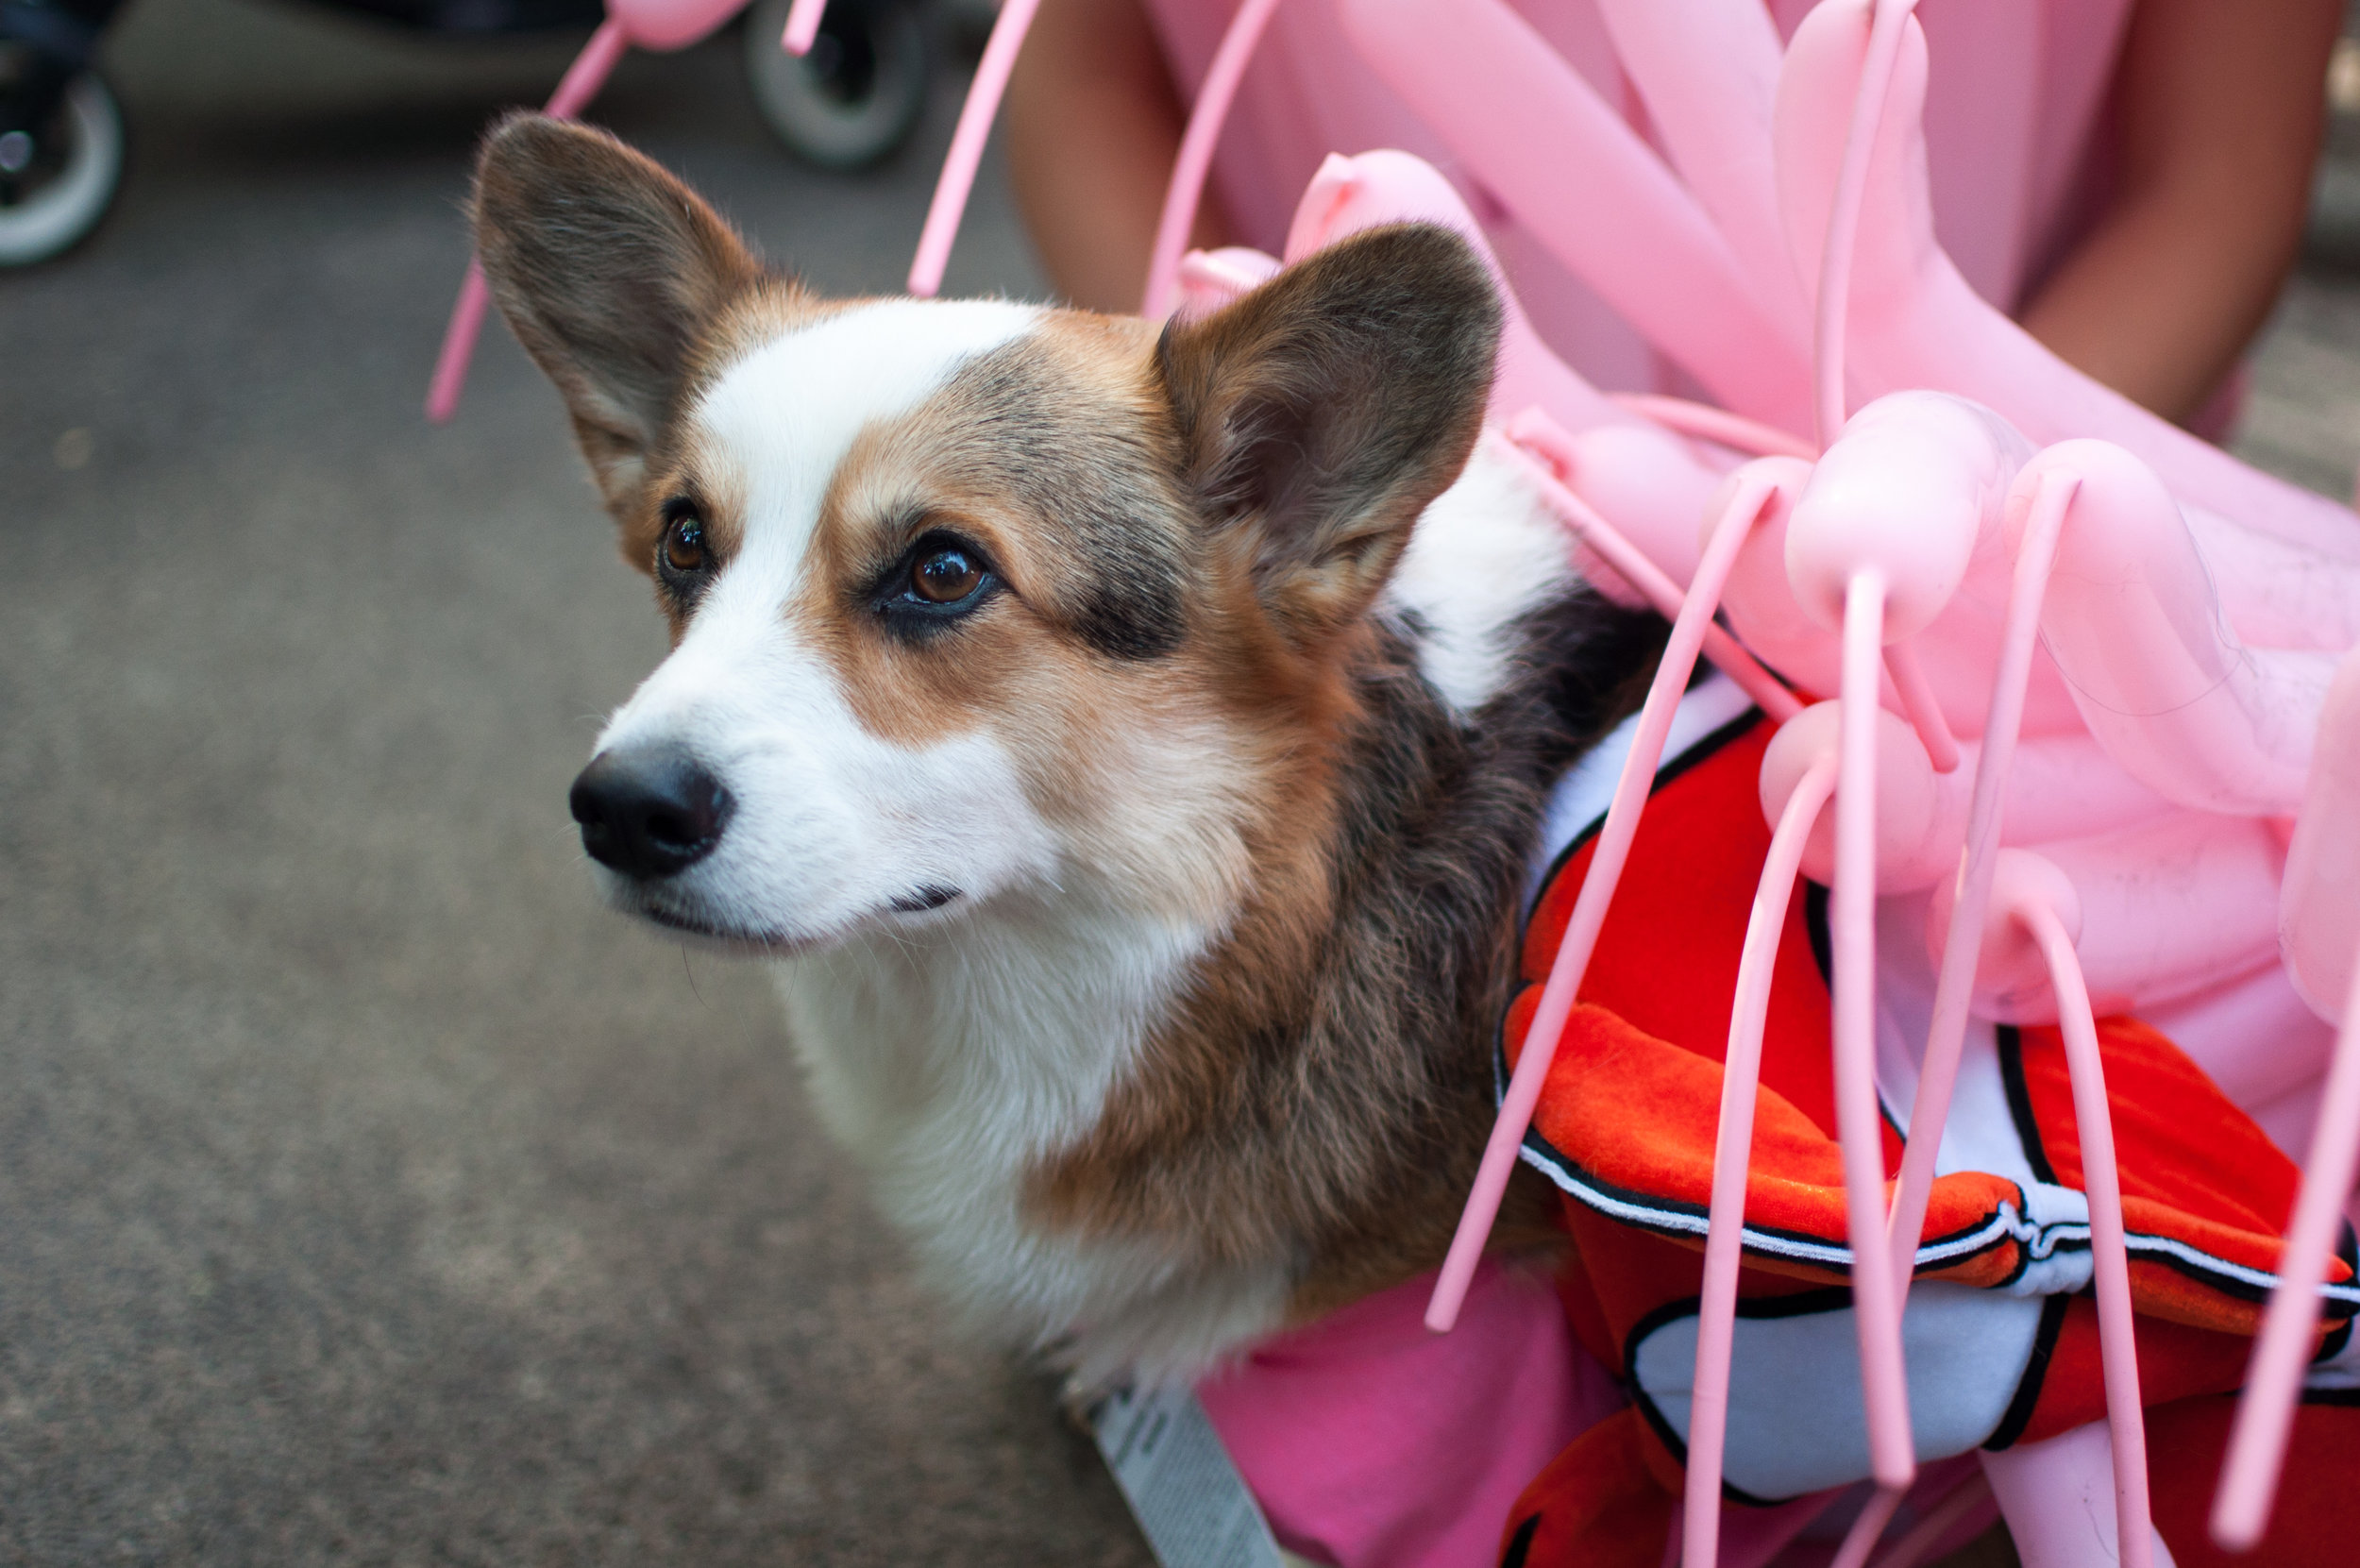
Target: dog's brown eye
{"points": [[945, 576], [685, 543], [939, 582]]}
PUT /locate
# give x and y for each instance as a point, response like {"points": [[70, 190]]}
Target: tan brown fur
{"points": [[1255, 1126]]}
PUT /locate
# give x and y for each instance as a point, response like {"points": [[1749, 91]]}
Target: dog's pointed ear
{"points": [[607, 268], [1319, 414]]}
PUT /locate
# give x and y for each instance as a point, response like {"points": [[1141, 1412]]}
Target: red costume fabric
{"points": [[2001, 1335]]}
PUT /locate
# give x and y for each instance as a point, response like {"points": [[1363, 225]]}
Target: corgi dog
{"points": [[1126, 740]]}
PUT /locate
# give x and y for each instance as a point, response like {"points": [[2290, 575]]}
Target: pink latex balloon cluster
{"points": [[2091, 703]]}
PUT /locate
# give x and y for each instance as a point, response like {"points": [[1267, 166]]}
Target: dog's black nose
{"points": [[648, 812]]}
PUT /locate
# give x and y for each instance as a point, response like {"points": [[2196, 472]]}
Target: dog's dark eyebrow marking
{"points": [[904, 521], [1094, 481], [879, 547]]}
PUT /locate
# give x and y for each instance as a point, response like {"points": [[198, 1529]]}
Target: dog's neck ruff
{"points": [[951, 1063]]}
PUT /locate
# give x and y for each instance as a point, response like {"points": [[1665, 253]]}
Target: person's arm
{"points": [[1093, 126], [2219, 109]]}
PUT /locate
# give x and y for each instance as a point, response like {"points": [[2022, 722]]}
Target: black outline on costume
{"points": [[2028, 1387], [1707, 744], [2009, 1041], [2331, 1344], [1817, 901], [1519, 1544]]}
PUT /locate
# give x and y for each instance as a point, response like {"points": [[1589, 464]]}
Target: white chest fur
{"points": [[951, 1064]]}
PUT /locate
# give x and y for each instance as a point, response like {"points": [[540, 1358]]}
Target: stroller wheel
{"points": [[58, 178], [856, 96]]}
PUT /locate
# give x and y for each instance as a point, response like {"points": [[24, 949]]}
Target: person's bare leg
{"points": [[2221, 109], [1093, 126]]}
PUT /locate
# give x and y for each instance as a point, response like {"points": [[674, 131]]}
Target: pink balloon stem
{"points": [[1924, 708], [459, 340], [1598, 890], [1611, 545], [967, 146], [1733, 431], [2118, 1348], [803, 26], [1957, 1507], [1954, 988], [579, 84], [1196, 159], [1852, 186], [583, 79], [1741, 1081], [2258, 1443], [1852, 917], [1869, 1527]]}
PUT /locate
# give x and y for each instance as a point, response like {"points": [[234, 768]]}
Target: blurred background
{"points": [[366, 1192]]}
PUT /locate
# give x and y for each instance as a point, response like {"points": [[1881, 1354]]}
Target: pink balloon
{"points": [[2165, 912], [1648, 482], [1211, 279], [1526, 125], [1921, 814], [2131, 619], [1913, 485], [2012, 971], [2255, 1037], [2061, 787], [1349, 195], [665, 24], [2318, 914], [2277, 594], [1957, 648], [1651, 484], [1914, 322], [1708, 71]]}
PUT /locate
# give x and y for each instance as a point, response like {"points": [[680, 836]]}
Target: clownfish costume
{"points": [[2001, 1334]]}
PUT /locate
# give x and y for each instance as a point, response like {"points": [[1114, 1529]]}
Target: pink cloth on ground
{"points": [[1373, 1444]]}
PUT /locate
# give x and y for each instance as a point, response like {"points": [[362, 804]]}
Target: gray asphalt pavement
{"points": [[368, 1195]]}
